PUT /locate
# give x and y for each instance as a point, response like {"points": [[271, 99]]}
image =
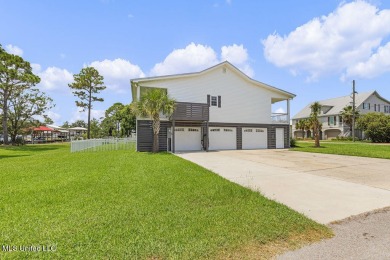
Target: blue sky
{"points": [[312, 50]]}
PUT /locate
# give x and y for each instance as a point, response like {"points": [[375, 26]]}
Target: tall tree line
{"points": [[20, 100]]}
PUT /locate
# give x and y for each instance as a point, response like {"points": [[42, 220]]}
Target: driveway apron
{"points": [[323, 187]]}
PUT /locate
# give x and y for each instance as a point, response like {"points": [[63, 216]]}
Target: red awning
{"points": [[42, 128]]}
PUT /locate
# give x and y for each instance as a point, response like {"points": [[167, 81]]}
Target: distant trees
{"points": [[78, 123], [23, 106], [86, 85], [376, 127], [314, 121], [19, 100], [119, 120], [151, 104]]}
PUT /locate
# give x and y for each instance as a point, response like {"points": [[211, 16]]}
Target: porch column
{"points": [[173, 136], [138, 92], [289, 124], [207, 136]]}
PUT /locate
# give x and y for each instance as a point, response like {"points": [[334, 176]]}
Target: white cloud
{"points": [[237, 55], [194, 57], [332, 43], [12, 49], [53, 78], [117, 73], [377, 64], [229, 2], [197, 57], [95, 113], [54, 116], [280, 110]]}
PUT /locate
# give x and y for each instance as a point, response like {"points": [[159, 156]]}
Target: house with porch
{"points": [[332, 122], [219, 108]]}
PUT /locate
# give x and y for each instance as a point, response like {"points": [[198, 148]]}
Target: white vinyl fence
{"points": [[108, 144]]}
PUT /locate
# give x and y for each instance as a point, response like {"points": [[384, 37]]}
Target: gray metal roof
{"points": [[335, 105]]}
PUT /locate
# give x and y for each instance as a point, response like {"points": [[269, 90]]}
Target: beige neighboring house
{"points": [[76, 132], [332, 123]]}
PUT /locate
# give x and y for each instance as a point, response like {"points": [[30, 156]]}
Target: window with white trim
{"points": [[366, 106]]}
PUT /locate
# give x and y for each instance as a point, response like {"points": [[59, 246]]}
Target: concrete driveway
{"points": [[324, 187]]}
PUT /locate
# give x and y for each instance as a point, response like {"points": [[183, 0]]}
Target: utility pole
{"points": [[353, 110]]}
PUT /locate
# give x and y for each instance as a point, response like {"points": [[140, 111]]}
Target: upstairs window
{"points": [[366, 106], [214, 101], [386, 109], [332, 120]]}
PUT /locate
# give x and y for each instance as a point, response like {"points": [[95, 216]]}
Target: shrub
{"points": [[293, 142], [344, 138], [376, 127]]}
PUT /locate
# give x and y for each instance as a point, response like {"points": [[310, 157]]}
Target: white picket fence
{"points": [[107, 144]]}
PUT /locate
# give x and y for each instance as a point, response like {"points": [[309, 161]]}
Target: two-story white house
{"points": [[332, 122], [219, 108]]}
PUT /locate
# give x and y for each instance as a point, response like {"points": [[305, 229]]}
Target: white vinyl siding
{"points": [[254, 138], [243, 101]]}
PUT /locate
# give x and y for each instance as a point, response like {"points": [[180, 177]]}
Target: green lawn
{"points": [[346, 148], [123, 204]]}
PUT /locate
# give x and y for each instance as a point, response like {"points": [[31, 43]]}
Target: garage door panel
{"points": [[188, 139], [222, 138], [254, 138]]}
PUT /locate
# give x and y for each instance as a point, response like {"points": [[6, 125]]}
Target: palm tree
{"points": [[347, 115], [299, 125], [315, 123], [306, 124], [151, 104]]}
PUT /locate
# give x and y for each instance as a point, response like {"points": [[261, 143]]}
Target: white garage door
{"points": [[254, 138], [222, 138], [279, 138], [188, 139]]}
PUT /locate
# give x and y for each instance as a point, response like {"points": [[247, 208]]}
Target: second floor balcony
{"points": [[280, 118], [187, 111]]}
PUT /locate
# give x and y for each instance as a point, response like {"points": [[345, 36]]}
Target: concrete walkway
{"points": [[324, 187]]}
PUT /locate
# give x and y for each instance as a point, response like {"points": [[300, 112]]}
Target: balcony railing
{"points": [[186, 111], [279, 118]]}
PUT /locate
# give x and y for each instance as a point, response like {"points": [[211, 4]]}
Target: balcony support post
{"points": [[288, 121], [173, 136]]}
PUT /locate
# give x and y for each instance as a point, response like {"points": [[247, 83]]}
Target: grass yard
{"points": [[346, 148], [123, 204]]}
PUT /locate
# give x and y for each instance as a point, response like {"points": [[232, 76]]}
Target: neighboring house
{"points": [[219, 108], [332, 122], [77, 132]]}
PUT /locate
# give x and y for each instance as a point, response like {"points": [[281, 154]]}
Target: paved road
{"points": [[366, 236], [321, 186]]}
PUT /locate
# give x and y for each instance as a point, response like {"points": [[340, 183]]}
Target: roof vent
{"points": [[223, 70]]}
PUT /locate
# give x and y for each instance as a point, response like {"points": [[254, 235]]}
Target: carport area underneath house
{"points": [[324, 187]]}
